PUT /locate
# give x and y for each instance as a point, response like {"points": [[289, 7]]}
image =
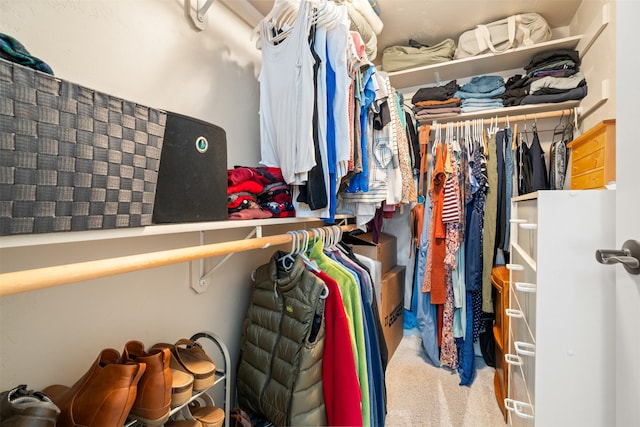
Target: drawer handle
{"points": [[517, 220], [525, 348], [515, 267], [519, 408], [528, 226], [516, 314], [526, 287], [513, 359]]}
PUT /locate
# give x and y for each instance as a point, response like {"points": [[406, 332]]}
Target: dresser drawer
{"points": [[522, 293], [519, 407], [590, 180], [524, 226], [524, 305], [585, 147], [593, 157], [588, 163]]}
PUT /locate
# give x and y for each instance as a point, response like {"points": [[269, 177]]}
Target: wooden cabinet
{"points": [[593, 157], [500, 282], [560, 311]]}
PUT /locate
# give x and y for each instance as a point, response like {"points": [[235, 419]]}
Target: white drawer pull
{"points": [[513, 359], [517, 221], [515, 267], [528, 226], [522, 409], [525, 287], [512, 312], [525, 348]]}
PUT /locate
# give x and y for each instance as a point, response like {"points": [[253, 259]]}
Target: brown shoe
{"points": [[153, 401], [103, 396], [20, 407]]}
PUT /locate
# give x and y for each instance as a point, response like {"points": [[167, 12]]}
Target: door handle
{"points": [[629, 256]]}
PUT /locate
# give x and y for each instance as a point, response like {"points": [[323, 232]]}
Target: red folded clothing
{"points": [[238, 175], [250, 214], [249, 186], [236, 200], [263, 175]]}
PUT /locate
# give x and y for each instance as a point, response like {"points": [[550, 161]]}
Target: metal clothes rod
{"points": [[459, 121], [48, 277]]}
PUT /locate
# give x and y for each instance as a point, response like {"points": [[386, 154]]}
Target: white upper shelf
{"points": [[476, 65], [22, 240]]}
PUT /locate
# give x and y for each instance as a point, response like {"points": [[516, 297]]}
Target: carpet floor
{"points": [[422, 395]]}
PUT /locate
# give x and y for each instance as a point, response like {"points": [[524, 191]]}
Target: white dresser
{"points": [[561, 331]]}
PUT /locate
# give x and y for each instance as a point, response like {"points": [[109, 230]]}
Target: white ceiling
{"points": [[431, 21]]}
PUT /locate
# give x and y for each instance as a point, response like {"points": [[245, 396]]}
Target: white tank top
{"points": [[286, 100]]}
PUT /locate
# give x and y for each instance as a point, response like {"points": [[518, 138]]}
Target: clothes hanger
{"points": [[468, 138], [456, 140], [326, 14], [288, 260], [484, 138], [304, 247], [279, 21], [559, 129], [339, 240], [436, 137]]}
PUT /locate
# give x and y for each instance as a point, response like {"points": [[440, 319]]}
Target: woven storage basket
{"points": [[72, 158]]}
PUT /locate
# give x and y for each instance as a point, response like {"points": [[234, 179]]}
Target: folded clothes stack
{"points": [[480, 93], [258, 192], [438, 101], [554, 76]]}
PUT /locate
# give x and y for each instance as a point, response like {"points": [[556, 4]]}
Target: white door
{"points": [[627, 287]]}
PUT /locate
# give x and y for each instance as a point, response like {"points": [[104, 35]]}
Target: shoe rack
{"points": [[223, 375]]}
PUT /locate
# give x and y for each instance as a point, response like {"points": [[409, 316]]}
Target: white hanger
{"points": [[321, 12], [281, 18], [288, 260], [303, 249], [436, 137]]}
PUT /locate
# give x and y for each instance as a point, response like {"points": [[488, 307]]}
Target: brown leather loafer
{"points": [[102, 397], [153, 400], [20, 407]]}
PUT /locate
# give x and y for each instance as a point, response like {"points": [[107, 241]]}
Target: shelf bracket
{"points": [[204, 278], [595, 29], [197, 11]]}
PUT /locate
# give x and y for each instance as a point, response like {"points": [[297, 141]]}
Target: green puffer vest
{"points": [[280, 369]]}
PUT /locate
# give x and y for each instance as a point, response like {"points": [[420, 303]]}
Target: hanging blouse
{"points": [[287, 99]]}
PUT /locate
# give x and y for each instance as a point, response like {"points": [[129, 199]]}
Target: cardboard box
{"points": [[384, 251], [392, 307]]}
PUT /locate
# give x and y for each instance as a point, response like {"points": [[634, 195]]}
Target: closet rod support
{"points": [[197, 11], [205, 278]]}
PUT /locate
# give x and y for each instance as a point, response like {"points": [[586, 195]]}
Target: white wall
{"points": [[599, 62], [146, 51]]}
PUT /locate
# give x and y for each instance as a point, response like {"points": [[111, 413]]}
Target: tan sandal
{"points": [[209, 416], [189, 357], [181, 387]]}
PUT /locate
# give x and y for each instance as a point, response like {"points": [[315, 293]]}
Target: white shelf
{"points": [[23, 240], [476, 65]]}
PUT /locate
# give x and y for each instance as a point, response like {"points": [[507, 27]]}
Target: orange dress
{"points": [[437, 244]]}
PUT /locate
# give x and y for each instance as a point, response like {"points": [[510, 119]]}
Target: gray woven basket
{"points": [[72, 158]]}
